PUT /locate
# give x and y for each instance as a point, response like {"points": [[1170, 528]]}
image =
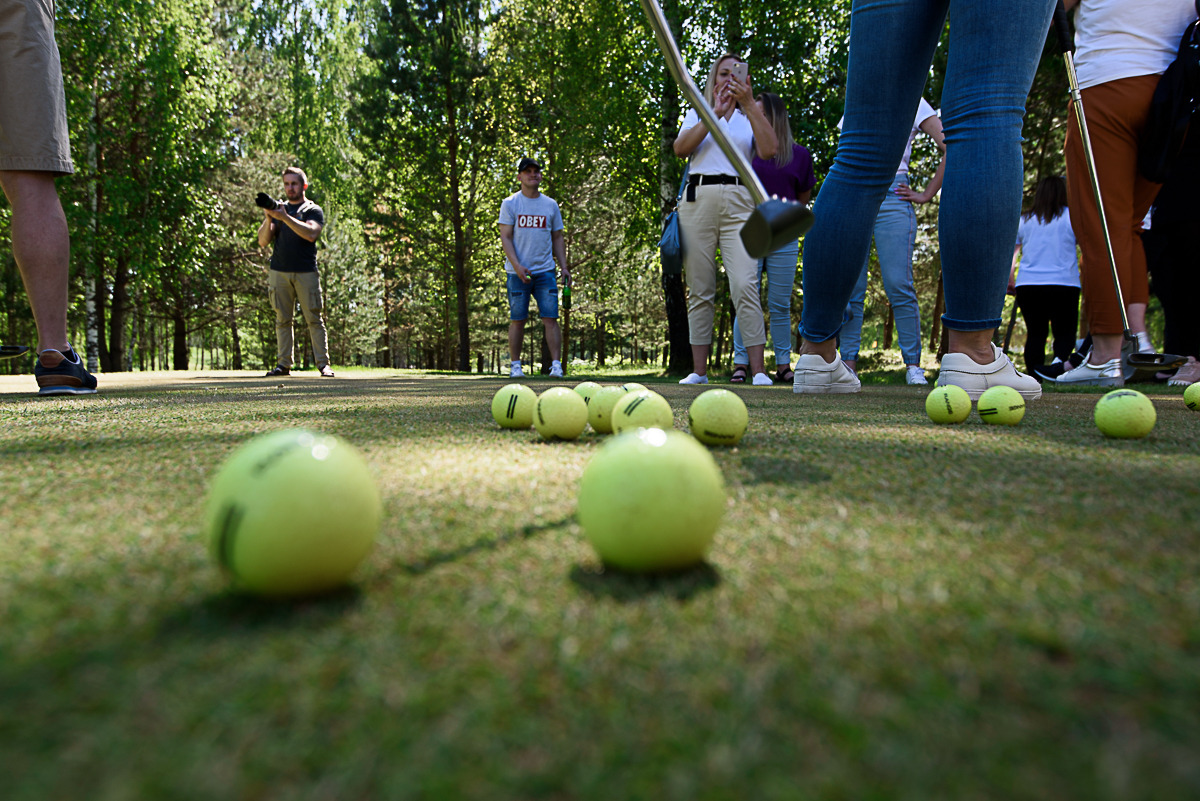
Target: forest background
{"points": [[409, 117]]}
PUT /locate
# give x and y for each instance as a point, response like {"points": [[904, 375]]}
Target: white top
{"points": [[924, 112], [1117, 39], [1047, 252], [707, 158]]}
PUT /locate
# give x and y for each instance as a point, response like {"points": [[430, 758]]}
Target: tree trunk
{"points": [[119, 315], [235, 341], [179, 348]]}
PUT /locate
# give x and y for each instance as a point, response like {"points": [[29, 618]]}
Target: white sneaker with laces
{"points": [[556, 370], [815, 376], [516, 372], [762, 380], [1109, 374], [915, 376], [963, 371], [694, 378]]}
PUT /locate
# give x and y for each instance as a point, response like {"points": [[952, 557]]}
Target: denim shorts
{"points": [[542, 286]]}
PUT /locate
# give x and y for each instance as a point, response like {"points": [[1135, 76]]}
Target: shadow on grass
{"points": [[231, 613], [782, 470], [421, 566], [626, 587]]}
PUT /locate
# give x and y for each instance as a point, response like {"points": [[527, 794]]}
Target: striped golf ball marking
{"points": [[512, 406], [991, 410], [631, 407], [231, 519]]}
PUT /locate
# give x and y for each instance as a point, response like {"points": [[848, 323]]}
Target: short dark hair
{"points": [[297, 171]]}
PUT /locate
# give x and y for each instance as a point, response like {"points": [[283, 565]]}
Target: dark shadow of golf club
{"points": [[232, 613], [437, 558], [626, 587]]}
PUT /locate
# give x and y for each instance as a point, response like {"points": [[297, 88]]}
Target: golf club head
{"points": [[1155, 361], [9, 351], [773, 224]]}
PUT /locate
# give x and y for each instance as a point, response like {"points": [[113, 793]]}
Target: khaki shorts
{"points": [[33, 111]]}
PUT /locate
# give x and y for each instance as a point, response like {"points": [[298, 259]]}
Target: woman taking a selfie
{"points": [[715, 206]]}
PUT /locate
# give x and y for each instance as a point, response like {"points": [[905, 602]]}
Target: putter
{"points": [[9, 351], [774, 222], [1133, 359]]}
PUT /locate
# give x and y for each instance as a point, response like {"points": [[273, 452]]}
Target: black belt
{"points": [[705, 180]]}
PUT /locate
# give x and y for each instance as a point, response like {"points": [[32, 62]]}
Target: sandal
{"points": [[784, 375], [739, 375]]}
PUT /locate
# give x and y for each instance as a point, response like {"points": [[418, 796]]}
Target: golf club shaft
{"points": [[666, 43], [1064, 41]]}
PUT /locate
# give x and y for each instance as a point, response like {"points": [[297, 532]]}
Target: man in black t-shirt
{"points": [[294, 226]]}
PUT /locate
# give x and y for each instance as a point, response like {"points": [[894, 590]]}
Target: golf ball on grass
{"points": [[1191, 397], [642, 409], [1125, 414], [718, 417], [633, 386], [292, 513], [560, 414], [586, 390], [601, 406], [651, 500], [512, 406], [948, 404], [1001, 406]]}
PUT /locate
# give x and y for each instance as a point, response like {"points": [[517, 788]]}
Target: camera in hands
{"points": [[265, 201]]}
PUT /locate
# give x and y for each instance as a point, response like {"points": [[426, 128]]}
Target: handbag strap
{"points": [[687, 168]]}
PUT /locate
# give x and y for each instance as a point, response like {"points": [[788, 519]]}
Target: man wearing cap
{"points": [[531, 232]]}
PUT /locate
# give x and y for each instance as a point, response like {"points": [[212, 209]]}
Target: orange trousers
{"points": [[1115, 113]]}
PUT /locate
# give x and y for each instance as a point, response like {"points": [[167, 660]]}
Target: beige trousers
{"points": [[285, 289], [714, 220]]}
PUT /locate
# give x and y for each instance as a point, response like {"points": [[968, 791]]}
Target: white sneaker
{"points": [[694, 378], [516, 372], [1109, 374], [556, 371], [762, 380], [916, 376], [963, 371], [815, 376]]}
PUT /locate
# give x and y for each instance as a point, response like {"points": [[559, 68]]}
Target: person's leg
{"points": [[1033, 303], [991, 64], [545, 294], [780, 269], [312, 305], [1064, 319], [1115, 113], [519, 293], [895, 237], [891, 47], [42, 249], [283, 300], [699, 229], [850, 338], [742, 271], [739, 348]]}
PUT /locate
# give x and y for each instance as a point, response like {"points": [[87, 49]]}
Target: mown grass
{"points": [[892, 609]]}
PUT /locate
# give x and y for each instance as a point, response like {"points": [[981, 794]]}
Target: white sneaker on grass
{"points": [[516, 372], [694, 378], [915, 376], [815, 376], [762, 380], [556, 370], [1109, 374], [961, 370]]}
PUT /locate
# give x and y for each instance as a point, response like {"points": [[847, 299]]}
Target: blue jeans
{"points": [[543, 287], [993, 55], [781, 281], [895, 235]]}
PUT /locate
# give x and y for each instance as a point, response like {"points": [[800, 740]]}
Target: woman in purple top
{"points": [[788, 175]]}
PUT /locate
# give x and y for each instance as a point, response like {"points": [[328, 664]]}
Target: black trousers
{"points": [[1174, 262], [1044, 307]]}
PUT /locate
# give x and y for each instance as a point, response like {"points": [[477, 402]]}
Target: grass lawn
{"points": [[891, 610]]}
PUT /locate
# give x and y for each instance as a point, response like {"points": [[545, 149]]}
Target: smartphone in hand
{"points": [[740, 70]]}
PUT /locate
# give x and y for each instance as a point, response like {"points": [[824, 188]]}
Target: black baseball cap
{"points": [[525, 163]]}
